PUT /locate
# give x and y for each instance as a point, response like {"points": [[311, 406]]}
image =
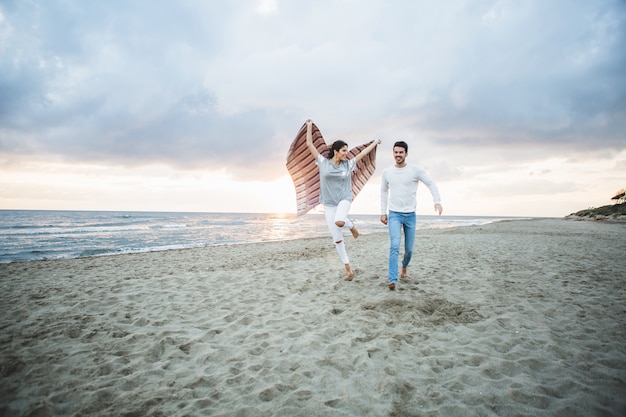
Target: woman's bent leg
{"points": [[341, 214], [335, 231], [342, 219]]}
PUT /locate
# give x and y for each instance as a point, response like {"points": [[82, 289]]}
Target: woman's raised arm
{"points": [[309, 139], [367, 150]]}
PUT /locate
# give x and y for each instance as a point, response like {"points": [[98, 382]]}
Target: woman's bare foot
{"points": [[355, 233], [349, 273]]}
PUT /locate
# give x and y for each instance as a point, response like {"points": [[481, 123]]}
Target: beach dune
{"points": [[517, 318]]}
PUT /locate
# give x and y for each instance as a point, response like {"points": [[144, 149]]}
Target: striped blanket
{"points": [[305, 174]]}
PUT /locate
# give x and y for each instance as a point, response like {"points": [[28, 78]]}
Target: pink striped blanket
{"points": [[305, 174]]}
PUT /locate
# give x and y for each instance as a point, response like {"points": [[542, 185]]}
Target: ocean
{"points": [[31, 235]]}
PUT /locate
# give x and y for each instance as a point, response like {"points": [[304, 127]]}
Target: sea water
{"points": [[29, 235]]}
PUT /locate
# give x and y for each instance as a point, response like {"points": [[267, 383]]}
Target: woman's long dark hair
{"points": [[338, 144]]}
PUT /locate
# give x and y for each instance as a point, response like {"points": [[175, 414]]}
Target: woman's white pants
{"points": [[334, 214]]}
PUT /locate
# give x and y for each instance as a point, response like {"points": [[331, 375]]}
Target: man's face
{"points": [[399, 154]]}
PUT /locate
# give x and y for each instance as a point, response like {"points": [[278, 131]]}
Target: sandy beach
{"points": [[518, 318]]}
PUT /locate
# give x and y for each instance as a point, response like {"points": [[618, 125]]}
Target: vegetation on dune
{"points": [[611, 211]]}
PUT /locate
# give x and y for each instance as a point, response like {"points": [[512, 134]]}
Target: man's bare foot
{"points": [[404, 274], [355, 233]]}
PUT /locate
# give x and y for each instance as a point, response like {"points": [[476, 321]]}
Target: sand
{"points": [[521, 318]]}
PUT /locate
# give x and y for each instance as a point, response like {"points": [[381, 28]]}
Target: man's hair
{"points": [[402, 144]]}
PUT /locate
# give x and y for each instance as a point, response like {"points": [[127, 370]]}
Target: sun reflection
{"points": [[282, 226]]}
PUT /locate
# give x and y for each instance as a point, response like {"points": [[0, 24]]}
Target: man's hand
{"points": [[383, 219], [438, 208]]}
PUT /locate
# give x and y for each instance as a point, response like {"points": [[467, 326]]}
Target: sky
{"points": [[514, 108]]}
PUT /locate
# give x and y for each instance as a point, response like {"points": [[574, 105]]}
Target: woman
{"points": [[336, 189]]}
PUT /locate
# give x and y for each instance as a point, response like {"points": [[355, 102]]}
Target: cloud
{"points": [[225, 85]]}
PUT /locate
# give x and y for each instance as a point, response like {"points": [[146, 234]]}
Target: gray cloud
{"points": [[218, 85]]}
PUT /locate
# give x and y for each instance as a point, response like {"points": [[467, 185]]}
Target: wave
{"points": [[73, 230]]}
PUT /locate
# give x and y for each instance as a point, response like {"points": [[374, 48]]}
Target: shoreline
{"points": [[33, 237], [521, 317]]}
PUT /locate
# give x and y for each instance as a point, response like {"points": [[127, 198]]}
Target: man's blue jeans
{"points": [[398, 222]]}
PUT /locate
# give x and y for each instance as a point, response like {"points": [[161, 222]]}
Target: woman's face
{"points": [[343, 153]]}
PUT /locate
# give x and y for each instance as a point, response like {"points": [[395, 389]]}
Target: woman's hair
{"points": [[338, 144]]}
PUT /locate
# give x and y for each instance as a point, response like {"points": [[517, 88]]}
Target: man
{"points": [[398, 193]]}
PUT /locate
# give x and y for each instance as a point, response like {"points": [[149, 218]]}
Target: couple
{"points": [[398, 193]]}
